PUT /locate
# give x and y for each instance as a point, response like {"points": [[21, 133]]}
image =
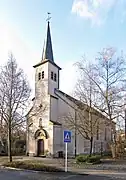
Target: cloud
{"points": [[97, 11], [68, 77]]}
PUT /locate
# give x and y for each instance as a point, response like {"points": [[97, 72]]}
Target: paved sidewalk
{"points": [[119, 167], [102, 173]]}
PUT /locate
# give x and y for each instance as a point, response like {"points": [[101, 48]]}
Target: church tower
{"points": [[41, 117], [46, 72]]}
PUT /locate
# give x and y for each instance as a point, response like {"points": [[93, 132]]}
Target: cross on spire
{"points": [[49, 17], [47, 53]]}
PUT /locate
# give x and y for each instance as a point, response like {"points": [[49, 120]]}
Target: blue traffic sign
{"points": [[67, 136]]}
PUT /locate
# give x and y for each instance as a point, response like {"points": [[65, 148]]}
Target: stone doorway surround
{"points": [[41, 137]]}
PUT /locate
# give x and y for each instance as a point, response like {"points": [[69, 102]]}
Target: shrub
{"points": [[37, 166], [20, 143], [93, 159], [81, 158], [107, 154], [18, 151]]}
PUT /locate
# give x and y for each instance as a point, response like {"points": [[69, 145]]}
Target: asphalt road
{"points": [[6, 174]]}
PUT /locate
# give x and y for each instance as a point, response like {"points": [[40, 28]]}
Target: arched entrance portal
{"points": [[41, 136], [40, 147]]}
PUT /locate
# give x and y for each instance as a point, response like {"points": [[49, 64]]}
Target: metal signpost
{"points": [[67, 139]]}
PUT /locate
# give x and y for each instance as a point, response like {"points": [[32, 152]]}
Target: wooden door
{"points": [[40, 147]]}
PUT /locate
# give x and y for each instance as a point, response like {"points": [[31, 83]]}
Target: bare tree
{"points": [[109, 78], [87, 121], [14, 96], [86, 91], [88, 124], [3, 135]]}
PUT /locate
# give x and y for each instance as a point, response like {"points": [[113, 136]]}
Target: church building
{"points": [[46, 120]]}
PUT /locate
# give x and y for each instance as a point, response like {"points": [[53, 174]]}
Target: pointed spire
{"points": [[47, 49]]}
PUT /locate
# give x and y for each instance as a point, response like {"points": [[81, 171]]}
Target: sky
{"points": [[78, 28]]}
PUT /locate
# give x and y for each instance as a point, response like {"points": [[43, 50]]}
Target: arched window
{"points": [[105, 134], [55, 77], [97, 133], [51, 75], [40, 122], [39, 76], [42, 74]]}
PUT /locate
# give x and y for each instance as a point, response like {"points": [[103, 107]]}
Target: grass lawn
{"points": [[32, 165], [3, 159]]}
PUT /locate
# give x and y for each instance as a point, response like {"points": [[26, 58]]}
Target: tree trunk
{"points": [[115, 145], [75, 152], [91, 145], [9, 141]]}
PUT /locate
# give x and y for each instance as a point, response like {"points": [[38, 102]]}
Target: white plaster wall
{"points": [[51, 83], [86, 147], [67, 110], [53, 109], [42, 96], [57, 139], [82, 144], [47, 82], [50, 140], [41, 86], [43, 113], [108, 133], [27, 138], [31, 144], [56, 110], [64, 110]]}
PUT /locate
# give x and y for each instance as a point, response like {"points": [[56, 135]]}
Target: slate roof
{"points": [[81, 104], [47, 53], [77, 102], [47, 49], [55, 123]]}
